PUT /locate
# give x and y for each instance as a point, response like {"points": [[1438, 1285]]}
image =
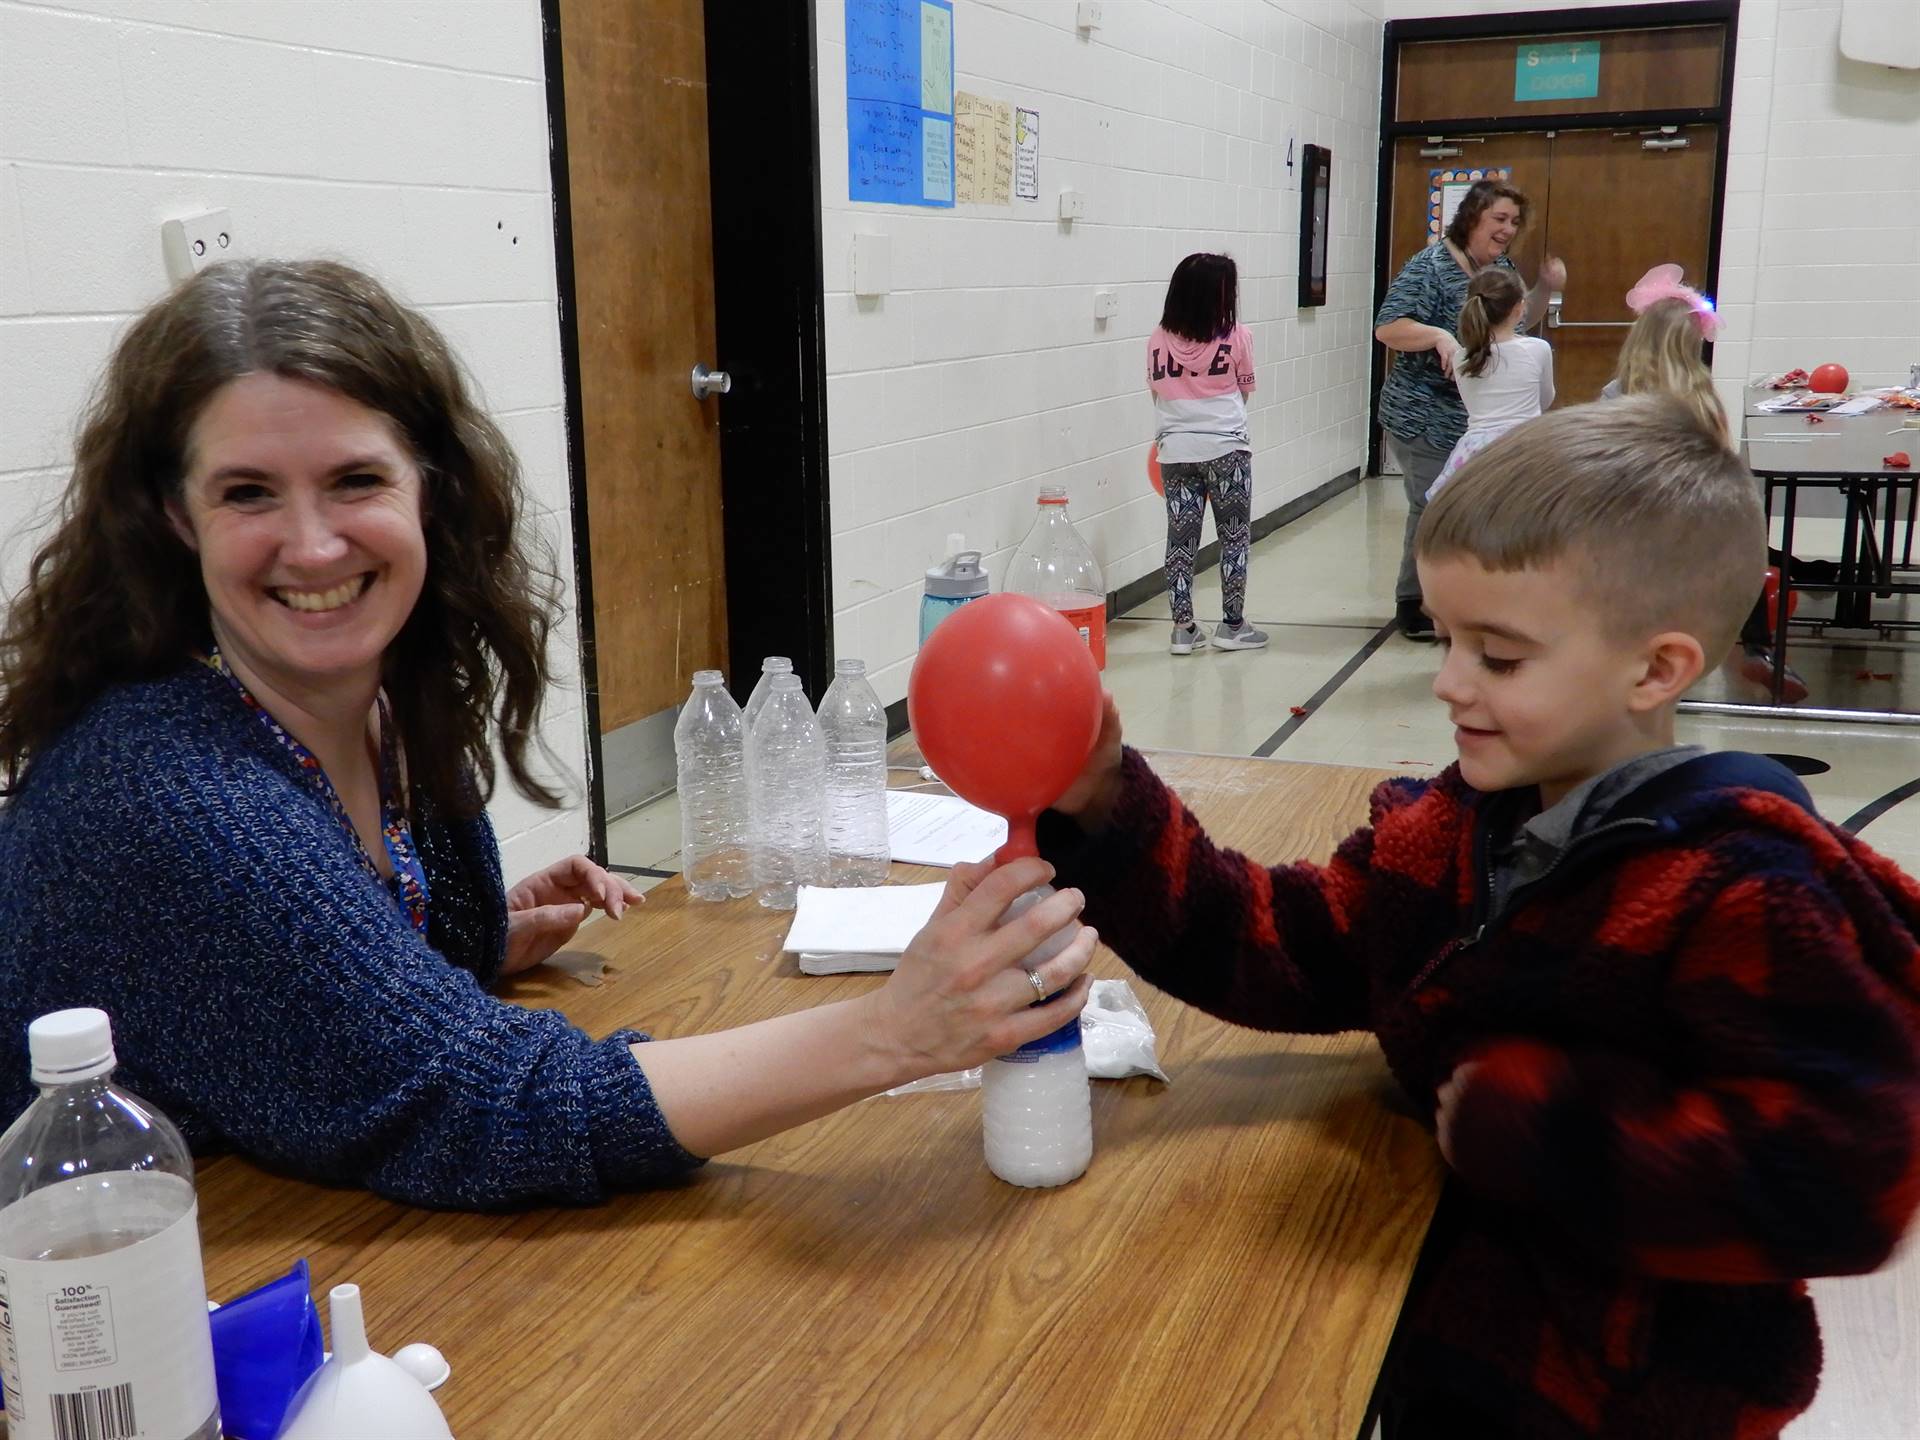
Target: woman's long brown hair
{"points": [[115, 595]]}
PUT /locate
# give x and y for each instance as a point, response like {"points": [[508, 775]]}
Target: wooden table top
{"points": [[1232, 1262]]}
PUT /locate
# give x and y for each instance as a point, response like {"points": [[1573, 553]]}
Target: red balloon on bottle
{"points": [[1005, 702], [1828, 379], [1153, 469]]}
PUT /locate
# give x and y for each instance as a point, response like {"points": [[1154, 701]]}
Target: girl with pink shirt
{"points": [[1200, 372]]}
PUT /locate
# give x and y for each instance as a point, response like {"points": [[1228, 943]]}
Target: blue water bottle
{"points": [[951, 584]]}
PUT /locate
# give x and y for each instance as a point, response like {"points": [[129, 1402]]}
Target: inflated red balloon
{"points": [[1153, 469], [1828, 379], [1005, 703]]}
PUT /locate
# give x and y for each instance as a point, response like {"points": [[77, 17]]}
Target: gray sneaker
{"points": [[1187, 639], [1239, 637]]}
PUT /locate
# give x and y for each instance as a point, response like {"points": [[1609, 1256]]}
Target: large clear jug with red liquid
{"points": [[1056, 566]]}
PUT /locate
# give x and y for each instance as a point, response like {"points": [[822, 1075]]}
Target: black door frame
{"points": [[1597, 20], [770, 321]]}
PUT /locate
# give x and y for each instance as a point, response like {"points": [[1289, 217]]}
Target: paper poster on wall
{"points": [[1445, 190], [972, 138], [1002, 193], [900, 130], [1026, 154], [1564, 70]]}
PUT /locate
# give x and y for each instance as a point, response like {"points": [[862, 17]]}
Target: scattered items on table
{"points": [[1116, 1035], [1796, 402], [1899, 460], [857, 930], [940, 829], [1794, 379]]}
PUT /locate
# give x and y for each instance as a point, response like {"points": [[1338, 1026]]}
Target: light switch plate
{"points": [[192, 243], [1106, 304], [872, 264], [1089, 16], [1073, 205]]}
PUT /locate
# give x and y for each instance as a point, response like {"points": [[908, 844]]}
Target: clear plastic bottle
{"points": [[710, 755], [103, 1303], [1055, 565], [1035, 1110], [854, 724], [789, 786], [770, 667]]}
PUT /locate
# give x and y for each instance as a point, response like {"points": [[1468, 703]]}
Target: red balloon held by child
{"points": [[1153, 469], [1828, 379], [1004, 701]]}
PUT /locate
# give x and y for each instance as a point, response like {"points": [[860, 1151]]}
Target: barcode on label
{"points": [[95, 1415]]}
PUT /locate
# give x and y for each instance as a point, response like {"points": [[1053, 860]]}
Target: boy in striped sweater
{"points": [[1662, 1015]]}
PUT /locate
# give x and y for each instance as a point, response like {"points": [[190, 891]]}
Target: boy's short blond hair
{"points": [[1662, 520]]}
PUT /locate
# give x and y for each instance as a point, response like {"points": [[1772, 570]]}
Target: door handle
{"points": [[1554, 322], [710, 382]]}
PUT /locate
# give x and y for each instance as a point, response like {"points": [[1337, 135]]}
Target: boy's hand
{"points": [[1449, 1105], [1089, 799]]}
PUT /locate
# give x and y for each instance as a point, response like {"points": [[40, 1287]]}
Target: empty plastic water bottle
{"points": [[855, 726], [789, 790], [101, 1290], [710, 753]]}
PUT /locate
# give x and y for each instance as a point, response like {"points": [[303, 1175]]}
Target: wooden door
{"points": [[635, 78], [1618, 210]]}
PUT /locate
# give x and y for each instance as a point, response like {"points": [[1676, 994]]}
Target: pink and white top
{"points": [[1200, 390]]}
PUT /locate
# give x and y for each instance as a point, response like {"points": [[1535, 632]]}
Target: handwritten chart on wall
{"points": [[900, 101]]}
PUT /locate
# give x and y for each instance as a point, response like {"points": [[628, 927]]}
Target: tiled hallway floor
{"points": [[1322, 587]]}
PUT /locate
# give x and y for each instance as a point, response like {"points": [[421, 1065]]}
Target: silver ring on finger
{"points": [[1039, 986]]}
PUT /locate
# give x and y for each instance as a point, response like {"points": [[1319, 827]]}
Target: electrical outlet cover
{"points": [[193, 242]]}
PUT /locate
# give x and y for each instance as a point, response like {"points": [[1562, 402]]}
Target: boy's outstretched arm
{"points": [[1770, 1130], [1260, 947]]}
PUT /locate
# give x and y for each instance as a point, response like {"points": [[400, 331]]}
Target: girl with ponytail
{"points": [[1505, 378]]}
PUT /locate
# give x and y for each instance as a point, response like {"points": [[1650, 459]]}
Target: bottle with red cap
{"points": [[1055, 565]]}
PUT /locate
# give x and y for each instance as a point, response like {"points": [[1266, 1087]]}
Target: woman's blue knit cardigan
{"points": [[165, 861]]}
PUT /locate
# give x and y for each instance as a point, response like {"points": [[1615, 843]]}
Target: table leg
{"points": [[1780, 592]]}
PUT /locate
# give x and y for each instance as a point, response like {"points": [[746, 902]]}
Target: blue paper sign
{"points": [[900, 101], [1565, 70]]}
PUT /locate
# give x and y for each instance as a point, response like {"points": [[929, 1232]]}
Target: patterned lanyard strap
{"points": [[409, 884]]}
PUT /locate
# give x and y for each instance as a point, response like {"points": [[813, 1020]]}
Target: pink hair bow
{"points": [[1662, 282]]}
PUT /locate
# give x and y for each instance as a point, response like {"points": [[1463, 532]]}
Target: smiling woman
{"points": [[250, 700]]}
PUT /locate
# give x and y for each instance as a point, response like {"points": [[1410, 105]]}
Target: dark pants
{"points": [[1420, 461]]}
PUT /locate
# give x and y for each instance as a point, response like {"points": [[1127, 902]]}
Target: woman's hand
{"points": [[1448, 1105], [1445, 347], [544, 910], [1553, 273], [960, 995], [1089, 799]]}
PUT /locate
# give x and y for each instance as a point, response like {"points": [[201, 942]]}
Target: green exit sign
{"points": [[1565, 70]]}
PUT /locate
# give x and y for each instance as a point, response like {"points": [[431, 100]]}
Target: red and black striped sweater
{"points": [[1699, 1082]]}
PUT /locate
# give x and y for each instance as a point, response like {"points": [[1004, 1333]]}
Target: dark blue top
{"points": [[166, 862]]}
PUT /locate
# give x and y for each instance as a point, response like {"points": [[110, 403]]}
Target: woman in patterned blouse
{"points": [[1420, 410]]}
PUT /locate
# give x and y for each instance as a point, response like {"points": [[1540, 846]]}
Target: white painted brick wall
{"points": [[408, 137], [984, 375]]}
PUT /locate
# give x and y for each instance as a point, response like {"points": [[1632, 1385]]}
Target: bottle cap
{"points": [[69, 1046], [959, 577], [1053, 494]]}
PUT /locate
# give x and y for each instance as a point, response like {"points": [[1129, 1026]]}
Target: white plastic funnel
{"points": [[359, 1392]]}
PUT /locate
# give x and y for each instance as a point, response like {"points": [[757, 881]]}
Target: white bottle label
{"points": [[112, 1346]]}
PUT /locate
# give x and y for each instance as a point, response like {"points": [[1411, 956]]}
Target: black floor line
{"points": [[1324, 693], [1261, 624], [1874, 809], [645, 870]]}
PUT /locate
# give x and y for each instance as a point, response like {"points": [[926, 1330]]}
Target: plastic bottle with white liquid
{"points": [[103, 1303], [1036, 1112]]}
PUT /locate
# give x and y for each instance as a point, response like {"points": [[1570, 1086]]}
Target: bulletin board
{"points": [[1445, 188], [900, 101]]}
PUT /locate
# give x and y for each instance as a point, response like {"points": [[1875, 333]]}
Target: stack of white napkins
{"points": [[848, 931]]}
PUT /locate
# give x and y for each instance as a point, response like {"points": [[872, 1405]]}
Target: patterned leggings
{"points": [[1229, 480]]}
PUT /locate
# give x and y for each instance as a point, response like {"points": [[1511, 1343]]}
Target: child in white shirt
{"points": [[1505, 378]]}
